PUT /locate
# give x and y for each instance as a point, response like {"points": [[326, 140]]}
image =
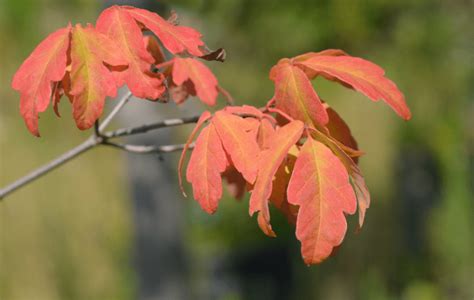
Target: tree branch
{"points": [[148, 127], [144, 149], [117, 108], [60, 160], [99, 138]]}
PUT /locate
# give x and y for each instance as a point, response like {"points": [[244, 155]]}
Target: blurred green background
{"points": [[70, 234]]}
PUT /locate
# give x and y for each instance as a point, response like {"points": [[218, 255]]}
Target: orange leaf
{"points": [[175, 38], [91, 80], [118, 25], [320, 186], [208, 161], [265, 134], [361, 75], [204, 82], [238, 143], [36, 76], [269, 161], [295, 95], [357, 180], [280, 185], [203, 118]]}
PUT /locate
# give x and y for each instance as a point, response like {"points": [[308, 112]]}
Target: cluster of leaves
{"points": [[87, 64], [296, 153]]}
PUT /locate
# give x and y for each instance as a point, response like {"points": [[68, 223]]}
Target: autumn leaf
{"points": [[265, 134], [295, 95], [320, 186], [176, 39], [204, 83], [91, 80], [208, 161], [361, 75], [238, 143], [356, 178], [38, 73], [119, 26], [268, 163], [202, 119], [279, 198]]}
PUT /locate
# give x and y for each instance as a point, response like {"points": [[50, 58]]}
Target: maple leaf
{"points": [[202, 119], [91, 80], [204, 83], [38, 73], [269, 161], [320, 186], [278, 197], [295, 95], [339, 130], [118, 25], [238, 143], [265, 134], [208, 161], [175, 38], [361, 75], [356, 178]]}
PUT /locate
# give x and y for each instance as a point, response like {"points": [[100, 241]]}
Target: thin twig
{"points": [[115, 110], [60, 160], [144, 149], [102, 139], [96, 128], [148, 127]]}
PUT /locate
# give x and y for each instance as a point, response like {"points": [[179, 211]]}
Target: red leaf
{"points": [[91, 80], [175, 38], [339, 129], [268, 164], [203, 118], [327, 52], [361, 75], [357, 180], [36, 76], [208, 161], [265, 134], [295, 95], [280, 185], [242, 149], [118, 25], [205, 83], [320, 186]]}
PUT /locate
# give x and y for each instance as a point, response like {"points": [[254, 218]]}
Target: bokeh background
{"points": [[114, 226]]}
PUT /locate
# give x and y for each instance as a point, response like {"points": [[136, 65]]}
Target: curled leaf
{"points": [[361, 75], [204, 83], [269, 161], [37, 75]]}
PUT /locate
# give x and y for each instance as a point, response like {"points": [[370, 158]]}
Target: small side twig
{"points": [[144, 149], [149, 127], [121, 103]]}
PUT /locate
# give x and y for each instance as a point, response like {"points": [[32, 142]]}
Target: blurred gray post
{"points": [[159, 256]]}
